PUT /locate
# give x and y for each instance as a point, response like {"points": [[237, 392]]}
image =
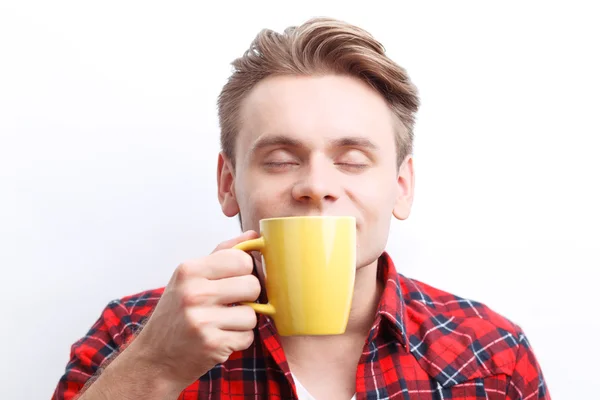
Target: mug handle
{"points": [[256, 245]]}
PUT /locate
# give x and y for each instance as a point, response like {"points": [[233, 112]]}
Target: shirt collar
{"points": [[392, 308]]}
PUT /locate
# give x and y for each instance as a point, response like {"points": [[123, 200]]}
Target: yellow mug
{"points": [[310, 266]]}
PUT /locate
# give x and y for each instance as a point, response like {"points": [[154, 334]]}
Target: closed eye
{"points": [[353, 166], [353, 160], [279, 163], [280, 159], [280, 166]]}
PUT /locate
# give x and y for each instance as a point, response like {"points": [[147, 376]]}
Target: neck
{"points": [[367, 293]]}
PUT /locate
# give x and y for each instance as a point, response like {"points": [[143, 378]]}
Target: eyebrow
{"points": [[282, 140], [277, 140], [354, 141]]}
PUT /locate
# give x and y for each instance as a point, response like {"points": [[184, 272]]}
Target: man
{"points": [[314, 121]]}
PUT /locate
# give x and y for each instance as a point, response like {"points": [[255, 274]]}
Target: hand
{"points": [[193, 327]]}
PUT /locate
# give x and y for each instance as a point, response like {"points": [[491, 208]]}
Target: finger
{"points": [[227, 263], [202, 291], [237, 289], [238, 340], [238, 318], [228, 244], [222, 318], [222, 264]]}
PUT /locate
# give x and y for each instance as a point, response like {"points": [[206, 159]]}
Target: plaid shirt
{"points": [[424, 344]]}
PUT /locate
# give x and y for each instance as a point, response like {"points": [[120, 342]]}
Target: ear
{"points": [[406, 187], [225, 182]]}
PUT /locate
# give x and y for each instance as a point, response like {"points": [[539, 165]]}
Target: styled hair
{"points": [[319, 46]]}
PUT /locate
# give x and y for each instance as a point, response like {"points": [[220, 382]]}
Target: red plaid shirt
{"points": [[424, 344]]}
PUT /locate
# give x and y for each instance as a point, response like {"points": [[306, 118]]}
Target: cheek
{"points": [[375, 196], [375, 205], [376, 209], [261, 201]]}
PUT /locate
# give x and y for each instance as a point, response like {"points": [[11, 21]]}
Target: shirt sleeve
{"points": [[113, 330], [527, 381]]}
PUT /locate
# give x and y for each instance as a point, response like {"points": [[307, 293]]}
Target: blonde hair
{"points": [[319, 46]]}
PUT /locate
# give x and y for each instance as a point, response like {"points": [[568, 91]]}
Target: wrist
{"points": [[150, 371], [133, 375]]}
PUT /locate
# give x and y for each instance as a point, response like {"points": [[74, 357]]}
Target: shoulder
{"points": [[426, 299], [136, 307], [457, 339], [141, 302], [122, 317]]}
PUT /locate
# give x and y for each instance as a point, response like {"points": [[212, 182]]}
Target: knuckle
{"points": [[243, 261], [188, 299], [247, 340], [220, 357], [212, 344], [184, 271], [253, 286], [200, 293], [250, 316], [239, 261], [199, 321]]}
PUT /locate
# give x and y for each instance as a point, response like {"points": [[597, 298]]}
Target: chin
{"points": [[369, 253], [364, 260]]}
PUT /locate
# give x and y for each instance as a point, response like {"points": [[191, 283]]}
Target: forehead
{"points": [[313, 109]]}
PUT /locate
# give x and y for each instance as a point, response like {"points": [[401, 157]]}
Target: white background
{"points": [[109, 142]]}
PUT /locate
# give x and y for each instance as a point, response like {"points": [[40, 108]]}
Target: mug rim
{"points": [[292, 217]]}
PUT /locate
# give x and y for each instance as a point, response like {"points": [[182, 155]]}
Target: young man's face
{"points": [[322, 145]]}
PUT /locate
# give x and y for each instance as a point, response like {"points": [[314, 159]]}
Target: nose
{"points": [[318, 184]]}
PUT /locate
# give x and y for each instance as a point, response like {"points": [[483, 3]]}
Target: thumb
{"points": [[228, 244]]}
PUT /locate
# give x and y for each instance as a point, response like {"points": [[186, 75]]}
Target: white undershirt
{"points": [[303, 393]]}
